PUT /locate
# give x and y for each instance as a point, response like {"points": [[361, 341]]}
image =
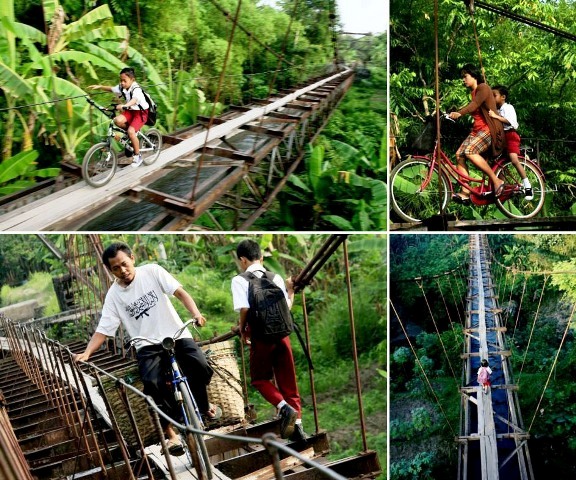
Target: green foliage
{"points": [[19, 172], [418, 468], [38, 287]]}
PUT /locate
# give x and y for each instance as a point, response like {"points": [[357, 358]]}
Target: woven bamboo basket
{"points": [[225, 388], [138, 406]]}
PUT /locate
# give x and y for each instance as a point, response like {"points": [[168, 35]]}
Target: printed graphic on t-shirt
{"points": [[140, 308]]}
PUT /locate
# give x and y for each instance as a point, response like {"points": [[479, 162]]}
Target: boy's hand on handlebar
{"points": [[454, 115], [200, 320]]}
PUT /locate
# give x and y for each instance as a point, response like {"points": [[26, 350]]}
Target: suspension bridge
{"points": [[237, 163], [59, 419], [492, 438]]}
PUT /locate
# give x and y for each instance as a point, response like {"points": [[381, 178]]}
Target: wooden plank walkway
{"points": [[74, 201], [491, 420], [181, 465]]}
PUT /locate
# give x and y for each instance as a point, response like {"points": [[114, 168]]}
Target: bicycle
{"points": [[101, 160], [421, 186], [198, 454]]}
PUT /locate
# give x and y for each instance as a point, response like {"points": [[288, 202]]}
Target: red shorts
{"points": [[135, 118], [512, 141]]}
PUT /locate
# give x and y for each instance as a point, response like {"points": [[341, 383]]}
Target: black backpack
{"points": [[153, 108], [269, 317]]}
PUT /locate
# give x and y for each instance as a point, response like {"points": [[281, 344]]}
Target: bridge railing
{"points": [[52, 368]]}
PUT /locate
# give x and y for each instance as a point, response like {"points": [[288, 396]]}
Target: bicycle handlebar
{"points": [[137, 339], [106, 111]]}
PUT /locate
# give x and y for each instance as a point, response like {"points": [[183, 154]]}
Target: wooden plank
{"points": [[268, 472]]}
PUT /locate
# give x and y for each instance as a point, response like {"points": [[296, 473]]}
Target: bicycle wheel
{"points": [[99, 164], [195, 441], [513, 201], [155, 139], [410, 201]]}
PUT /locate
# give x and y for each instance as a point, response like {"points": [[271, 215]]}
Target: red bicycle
{"points": [[422, 185]]}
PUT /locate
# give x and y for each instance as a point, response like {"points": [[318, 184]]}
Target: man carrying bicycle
{"points": [[134, 110], [139, 299]]}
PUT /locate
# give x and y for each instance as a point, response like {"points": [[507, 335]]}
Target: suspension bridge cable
{"points": [[446, 308], [512, 287], [438, 332], [455, 301], [519, 308], [218, 92], [247, 32], [553, 365], [532, 330], [150, 85], [422, 368], [460, 295]]}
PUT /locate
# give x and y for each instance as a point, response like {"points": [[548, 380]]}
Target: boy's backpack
{"points": [[483, 376], [269, 317], [153, 108]]}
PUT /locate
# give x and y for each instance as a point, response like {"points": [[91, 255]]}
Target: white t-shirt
{"points": [[143, 307], [509, 113], [240, 287], [135, 91]]}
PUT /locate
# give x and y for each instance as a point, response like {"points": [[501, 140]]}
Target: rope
{"points": [[438, 332], [512, 287], [447, 311], [532, 330], [218, 92], [553, 365], [148, 86], [478, 45], [519, 308], [422, 368], [455, 302]]}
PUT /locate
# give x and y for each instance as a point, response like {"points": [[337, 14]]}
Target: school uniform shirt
{"points": [[509, 113], [240, 287], [143, 307], [135, 91]]}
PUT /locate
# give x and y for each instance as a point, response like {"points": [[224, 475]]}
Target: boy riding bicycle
{"points": [[134, 110]]}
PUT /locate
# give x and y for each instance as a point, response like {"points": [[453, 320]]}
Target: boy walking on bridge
{"points": [[266, 328]]}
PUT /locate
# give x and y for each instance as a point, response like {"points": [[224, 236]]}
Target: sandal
{"points": [[499, 190], [214, 413], [175, 448], [461, 199]]}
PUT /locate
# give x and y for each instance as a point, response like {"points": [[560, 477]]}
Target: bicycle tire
{"points": [[155, 138], [514, 204], [194, 441], [408, 201], [98, 170]]}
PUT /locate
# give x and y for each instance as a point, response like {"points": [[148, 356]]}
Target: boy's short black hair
{"points": [[113, 250], [502, 89], [249, 249], [473, 71], [128, 71]]}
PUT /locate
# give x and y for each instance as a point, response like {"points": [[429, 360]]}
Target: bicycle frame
{"points": [[112, 127], [480, 195], [177, 379]]}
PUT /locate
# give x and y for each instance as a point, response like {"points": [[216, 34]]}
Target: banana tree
{"points": [[20, 172]]}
